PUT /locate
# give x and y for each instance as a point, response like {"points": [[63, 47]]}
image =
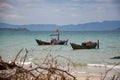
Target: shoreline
{"points": [[88, 72], [94, 71]]}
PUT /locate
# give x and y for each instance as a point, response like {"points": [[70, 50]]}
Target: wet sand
{"points": [[96, 73]]}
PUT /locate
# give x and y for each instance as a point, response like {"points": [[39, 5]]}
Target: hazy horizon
{"points": [[94, 26]]}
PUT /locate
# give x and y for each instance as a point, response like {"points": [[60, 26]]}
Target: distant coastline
{"points": [[92, 26], [14, 29], [118, 29]]}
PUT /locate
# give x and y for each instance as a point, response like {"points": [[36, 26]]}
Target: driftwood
{"points": [[48, 70]]}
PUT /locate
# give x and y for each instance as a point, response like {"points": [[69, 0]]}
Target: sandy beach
{"points": [[50, 69], [57, 68], [95, 72]]}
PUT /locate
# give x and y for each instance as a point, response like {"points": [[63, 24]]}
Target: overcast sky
{"points": [[60, 12]]}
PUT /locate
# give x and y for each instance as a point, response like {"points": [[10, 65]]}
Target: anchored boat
{"points": [[53, 41], [85, 45]]}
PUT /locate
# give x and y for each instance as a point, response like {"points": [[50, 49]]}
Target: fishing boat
{"points": [[40, 42], [85, 45], [53, 41]]}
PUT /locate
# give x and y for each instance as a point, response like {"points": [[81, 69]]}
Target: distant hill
{"points": [[13, 29], [118, 29], [93, 26]]}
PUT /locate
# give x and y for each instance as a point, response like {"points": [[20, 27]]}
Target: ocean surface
{"points": [[11, 42]]}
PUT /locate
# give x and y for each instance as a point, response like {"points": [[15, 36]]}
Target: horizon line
{"points": [[57, 24]]}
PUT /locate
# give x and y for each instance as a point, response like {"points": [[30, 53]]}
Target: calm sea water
{"points": [[12, 42]]}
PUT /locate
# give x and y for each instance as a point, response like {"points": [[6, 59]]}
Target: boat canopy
{"points": [[55, 34]]}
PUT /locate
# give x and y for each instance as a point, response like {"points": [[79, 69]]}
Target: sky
{"points": [[60, 12]]}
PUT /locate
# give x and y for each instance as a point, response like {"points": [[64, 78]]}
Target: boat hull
{"points": [[76, 46], [40, 42]]}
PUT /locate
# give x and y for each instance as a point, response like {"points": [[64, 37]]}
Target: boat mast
{"points": [[97, 44], [58, 36]]}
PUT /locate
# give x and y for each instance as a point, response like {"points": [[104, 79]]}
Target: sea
{"points": [[11, 42]]}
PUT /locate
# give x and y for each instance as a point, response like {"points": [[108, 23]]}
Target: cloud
{"points": [[14, 16], [103, 1], [10, 16], [59, 11], [5, 6]]}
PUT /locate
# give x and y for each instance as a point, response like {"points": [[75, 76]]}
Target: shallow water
{"points": [[12, 42]]}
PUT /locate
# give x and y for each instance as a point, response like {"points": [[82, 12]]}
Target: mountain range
{"points": [[93, 26]]}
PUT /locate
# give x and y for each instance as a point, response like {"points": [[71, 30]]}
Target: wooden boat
{"points": [[53, 42], [85, 45], [116, 57], [40, 42]]}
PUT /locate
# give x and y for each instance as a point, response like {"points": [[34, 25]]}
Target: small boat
{"points": [[40, 42], [53, 41], [85, 45], [116, 57]]}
